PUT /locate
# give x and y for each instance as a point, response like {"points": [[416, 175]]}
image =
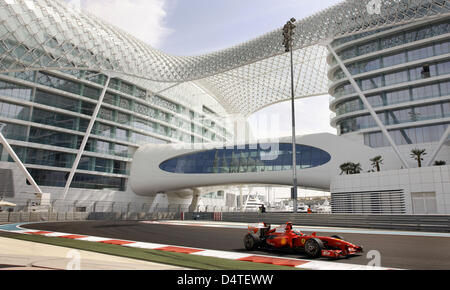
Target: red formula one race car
{"points": [[261, 236]]}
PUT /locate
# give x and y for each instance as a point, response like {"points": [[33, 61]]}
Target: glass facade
{"points": [[251, 159], [407, 136], [51, 111], [13, 111], [397, 116], [13, 90], [405, 36], [406, 83], [404, 95], [416, 73]]}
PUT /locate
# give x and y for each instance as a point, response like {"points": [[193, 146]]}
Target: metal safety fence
{"points": [[24, 217], [425, 223], [94, 206]]}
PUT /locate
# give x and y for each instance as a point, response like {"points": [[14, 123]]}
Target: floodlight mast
{"points": [[288, 41]]}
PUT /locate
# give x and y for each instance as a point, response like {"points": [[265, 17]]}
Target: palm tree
{"points": [[417, 154], [440, 163], [356, 168], [346, 168], [351, 168], [376, 162]]}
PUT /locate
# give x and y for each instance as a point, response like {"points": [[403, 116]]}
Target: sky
{"points": [[194, 27]]}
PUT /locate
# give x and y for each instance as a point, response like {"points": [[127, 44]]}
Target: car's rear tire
{"points": [[313, 248], [251, 242]]}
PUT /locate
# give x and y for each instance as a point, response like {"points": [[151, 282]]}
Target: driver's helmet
{"points": [[289, 226]]}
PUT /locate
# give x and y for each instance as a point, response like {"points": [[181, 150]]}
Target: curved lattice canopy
{"points": [[48, 34]]}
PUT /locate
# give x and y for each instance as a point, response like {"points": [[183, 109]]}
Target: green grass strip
{"points": [[161, 257]]}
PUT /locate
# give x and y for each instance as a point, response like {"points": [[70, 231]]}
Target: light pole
{"points": [[288, 33]]}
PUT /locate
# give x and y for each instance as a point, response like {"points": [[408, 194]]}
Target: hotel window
{"points": [[424, 92], [58, 83], [103, 165], [114, 84], [13, 111], [52, 138], [395, 59], [123, 118], [371, 83], [100, 147], [393, 41], [376, 100], [141, 109], [87, 108], [420, 53], [245, 160], [416, 135], [442, 48], [368, 48], [348, 53], [445, 88], [140, 93], [120, 150], [121, 134], [15, 91], [396, 97], [423, 72], [370, 65], [446, 109], [106, 114], [110, 99], [125, 103], [53, 100], [55, 119], [444, 68], [91, 92], [426, 72], [127, 88], [49, 158], [14, 131], [103, 130]]}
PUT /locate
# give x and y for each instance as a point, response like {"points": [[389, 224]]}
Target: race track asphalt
{"points": [[397, 251]]}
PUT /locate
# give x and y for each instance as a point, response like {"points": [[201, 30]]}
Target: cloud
{"points": [[143, 19]]}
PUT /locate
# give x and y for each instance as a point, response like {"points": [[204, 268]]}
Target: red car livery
{"points": [[284, 237]]}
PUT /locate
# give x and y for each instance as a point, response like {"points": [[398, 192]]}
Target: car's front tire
{"points": [[313, 248]]}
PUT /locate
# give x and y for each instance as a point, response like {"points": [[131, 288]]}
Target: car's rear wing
{"points": [[255, 228]]}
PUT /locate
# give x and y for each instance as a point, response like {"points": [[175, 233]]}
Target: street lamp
{"points": [[288, 33]]}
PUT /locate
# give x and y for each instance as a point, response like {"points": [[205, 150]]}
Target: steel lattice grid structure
{"points": [[51, 35]]}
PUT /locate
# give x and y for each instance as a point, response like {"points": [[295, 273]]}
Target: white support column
{"points": [[440, 145], [86, 138], [241, 202], [195, 199], [368, 106], [19, 163]]}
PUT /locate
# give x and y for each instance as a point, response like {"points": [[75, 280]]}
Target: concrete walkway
{"points": [[23, 255]]}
